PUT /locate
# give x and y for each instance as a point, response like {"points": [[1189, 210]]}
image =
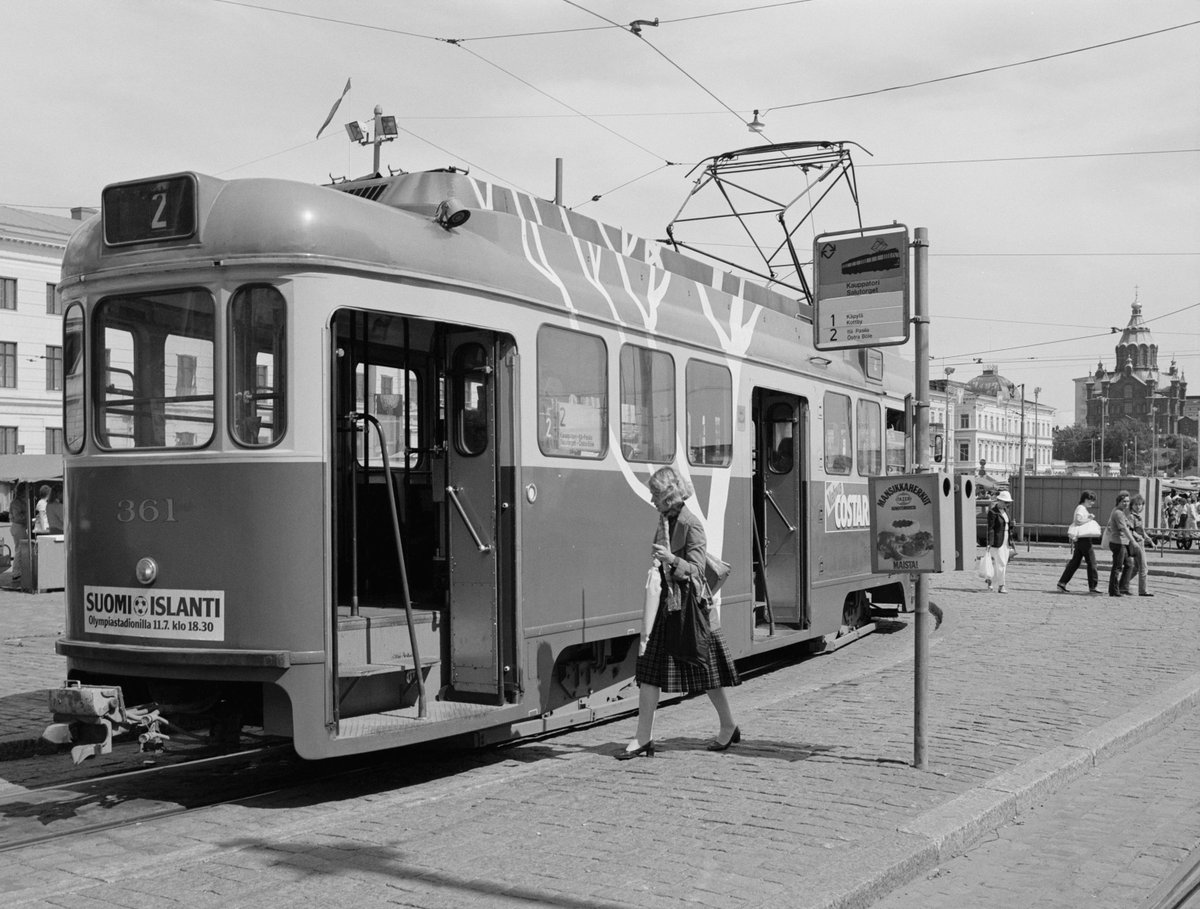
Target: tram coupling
{"points": [[88, 716]]}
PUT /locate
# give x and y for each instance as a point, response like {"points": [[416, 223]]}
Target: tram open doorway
{"points": [[779, 528], [423, 579]]}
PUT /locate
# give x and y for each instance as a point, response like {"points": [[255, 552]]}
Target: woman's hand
{"points": [[641, 646], [663, 554]]}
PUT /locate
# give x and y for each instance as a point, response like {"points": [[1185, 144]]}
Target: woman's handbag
{"points": [[715, 572], [1105, 539], [686, 631]]}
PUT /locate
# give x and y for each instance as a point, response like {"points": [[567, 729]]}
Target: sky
{"points": [[1051, 148]]}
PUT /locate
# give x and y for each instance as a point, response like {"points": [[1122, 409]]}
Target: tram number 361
{"points": [[148, 511]]}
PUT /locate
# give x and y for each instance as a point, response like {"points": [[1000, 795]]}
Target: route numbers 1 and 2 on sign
{"points": [[862, 296]]}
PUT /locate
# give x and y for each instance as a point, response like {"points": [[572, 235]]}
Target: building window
{"points": [[709, 391], [54, 441], [8, 364], [53, 302], [8, 293], [647, 405], [572, 389], [8, 440], [54, 369], [964, 451], [964, 421]]}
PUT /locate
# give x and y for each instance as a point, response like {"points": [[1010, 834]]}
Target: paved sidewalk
{"points": [[818, 807]]}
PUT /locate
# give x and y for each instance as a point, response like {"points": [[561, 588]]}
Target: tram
{"points": [[365, 464]]}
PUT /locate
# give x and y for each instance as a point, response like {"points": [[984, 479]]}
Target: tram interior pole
{"points": [[921, 443]]}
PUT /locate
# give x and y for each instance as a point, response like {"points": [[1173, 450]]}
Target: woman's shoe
{"points": [[1002, 590], [646, 750], [1062, 588], [989, 584], [1147, 594], [734, 738]]}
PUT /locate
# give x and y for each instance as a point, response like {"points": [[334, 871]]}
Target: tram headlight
{"points": [[146, 571], [451, 213]]}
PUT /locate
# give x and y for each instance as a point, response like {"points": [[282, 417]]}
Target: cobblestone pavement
{"points": [[1104, 841], [818, 807]]}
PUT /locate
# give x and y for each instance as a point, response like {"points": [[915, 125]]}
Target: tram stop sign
{"points": [[862, 296]]}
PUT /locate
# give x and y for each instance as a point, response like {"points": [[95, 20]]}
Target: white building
{"points": [[31, 364], [982, 425]]}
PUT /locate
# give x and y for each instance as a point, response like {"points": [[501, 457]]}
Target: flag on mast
{"points": [[333, 110]]}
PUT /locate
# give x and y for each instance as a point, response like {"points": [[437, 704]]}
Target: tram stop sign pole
{"points": [[862, 300]]}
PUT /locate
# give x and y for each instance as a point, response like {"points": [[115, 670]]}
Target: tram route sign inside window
{"points": [[862, 294], [149, 211]]}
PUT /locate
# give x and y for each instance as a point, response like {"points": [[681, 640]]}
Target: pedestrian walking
{"points": [[1083, 532], [1137, 530], [678, 556], [1118, 538], [999, 540]]}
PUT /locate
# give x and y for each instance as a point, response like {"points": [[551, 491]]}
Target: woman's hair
{"points": [[1138, 499], [1085, 495], [44, 492], [669, 486], [1123, 494]]}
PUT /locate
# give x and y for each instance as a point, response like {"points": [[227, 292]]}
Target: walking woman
{"points": [[679, 554], [1084, 532], [1137, 549], [1119, 539], [999, 540]]}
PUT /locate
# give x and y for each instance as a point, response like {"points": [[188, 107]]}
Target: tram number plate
{"points": [[182, 615], [150, 210]]}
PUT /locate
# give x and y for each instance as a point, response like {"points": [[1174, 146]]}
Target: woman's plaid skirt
{"points": [[657, 667]]}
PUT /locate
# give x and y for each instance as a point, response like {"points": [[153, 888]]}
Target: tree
{"points": [[1074, 443]]}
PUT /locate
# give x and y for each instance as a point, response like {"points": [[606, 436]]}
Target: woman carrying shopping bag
{"points": [[999, 540], [679, 555]]}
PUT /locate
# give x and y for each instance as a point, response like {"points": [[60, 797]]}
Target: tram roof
{"points": [[269, 217]]}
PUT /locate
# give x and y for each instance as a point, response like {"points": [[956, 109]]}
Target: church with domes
{"points": [[1134, 388]]}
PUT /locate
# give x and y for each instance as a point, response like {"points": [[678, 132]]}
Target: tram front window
{"points": [[154, 377]]}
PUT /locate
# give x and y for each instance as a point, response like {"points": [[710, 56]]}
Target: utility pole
{"points": [[921, 444]]}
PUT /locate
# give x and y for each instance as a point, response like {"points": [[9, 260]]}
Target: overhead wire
{"points": [[977, 72]]}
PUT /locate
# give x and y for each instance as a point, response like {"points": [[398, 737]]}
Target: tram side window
{"points": [[258, 365], [870, 440], [647, 404], [572, 388], [143, 400], [709, 414], [838, 450], [781, 421], [73, 367], [896, 438]]}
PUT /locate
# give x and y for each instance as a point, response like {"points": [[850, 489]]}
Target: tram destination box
{"points": [[912, 523]]}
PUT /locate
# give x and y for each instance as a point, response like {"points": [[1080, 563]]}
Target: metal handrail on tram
{"points": [[357, 417]]}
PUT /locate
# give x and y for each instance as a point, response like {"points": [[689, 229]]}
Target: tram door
{"points": [[779, 504], [480, 429]]}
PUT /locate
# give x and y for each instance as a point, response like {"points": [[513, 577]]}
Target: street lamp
{"points": [[951, 416], [1036, 392], [1103, 420], [1021, 471]]}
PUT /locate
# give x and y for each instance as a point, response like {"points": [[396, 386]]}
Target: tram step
{"points": [[376, 687]]}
